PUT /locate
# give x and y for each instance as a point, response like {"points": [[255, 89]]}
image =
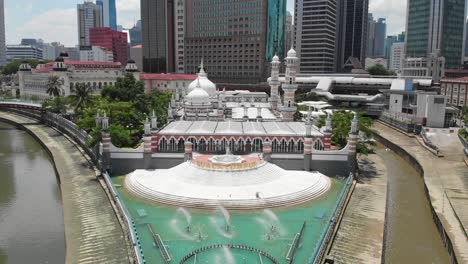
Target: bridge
{"points": [[21, 104]]}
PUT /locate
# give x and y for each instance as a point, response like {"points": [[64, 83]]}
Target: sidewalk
{"points": [[447, 181], [360, 235], [92, 231]]}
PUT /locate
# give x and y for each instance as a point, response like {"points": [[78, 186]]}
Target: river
{"points": [[411, 234], [31, 214]]}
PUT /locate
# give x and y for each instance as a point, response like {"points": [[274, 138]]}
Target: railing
{"points": [[406, 122], [132, 233], [81, 137], [325, 237], [428, 142]]}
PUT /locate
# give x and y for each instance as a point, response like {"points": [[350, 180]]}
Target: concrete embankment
{"points": [[92, 231], [442, 175], [360, 236]]}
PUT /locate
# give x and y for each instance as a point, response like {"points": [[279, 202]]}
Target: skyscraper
{"points": [[135, 34], [288, 32], [109, 13], [236, 39], [2, 34], [315, 34], [352, 34], [179, 35], [434, 26], [157, 26], [376, 37], [89, 16], [112, 40]]}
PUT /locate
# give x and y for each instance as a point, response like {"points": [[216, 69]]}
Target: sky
{"points": [[56, 20]]}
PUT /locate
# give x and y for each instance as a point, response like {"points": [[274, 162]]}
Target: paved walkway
{"points": [[360, 236], [92, 231], [446, 179]]}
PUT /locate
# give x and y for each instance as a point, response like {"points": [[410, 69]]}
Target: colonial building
{"points": [[33, 82]]}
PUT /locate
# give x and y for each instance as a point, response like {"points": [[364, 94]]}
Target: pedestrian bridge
{"points": [[20, 104]]}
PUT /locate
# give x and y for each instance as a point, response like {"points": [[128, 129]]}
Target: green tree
{"points": [[56, 105], [341, 124], [125, 89], [53, 85], [379, 70], [82, 96], [13, 66]]}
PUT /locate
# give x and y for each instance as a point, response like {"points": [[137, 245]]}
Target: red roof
{"points": [[47, 68], [167, 77], [137, 47], [93, 64]]}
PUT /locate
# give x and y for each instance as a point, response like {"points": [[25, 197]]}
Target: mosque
{"points": [[204, 120]]}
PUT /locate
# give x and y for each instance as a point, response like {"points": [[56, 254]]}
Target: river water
{"points": [[31, 216], [411, 235]]}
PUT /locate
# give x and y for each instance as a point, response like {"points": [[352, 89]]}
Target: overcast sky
{"points": [[56, 20]]}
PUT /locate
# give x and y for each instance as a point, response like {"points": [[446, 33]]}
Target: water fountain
{"points": [[223, 227], [229, 257], [182, 216]]}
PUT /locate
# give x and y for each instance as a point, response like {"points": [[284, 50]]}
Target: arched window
{"points": [[202, 145], [163, 145], [318, 145], [181, 145], [172, 145]]}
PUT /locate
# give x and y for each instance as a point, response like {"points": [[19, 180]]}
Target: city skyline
{"points": [[25, 24]]}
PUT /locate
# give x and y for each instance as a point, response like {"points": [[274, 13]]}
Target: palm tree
{"points": [[53, 86], [82, 96]]}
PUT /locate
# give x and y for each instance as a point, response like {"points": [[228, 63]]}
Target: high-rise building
{"points": [[2, 34], [48, 52], [112, 40], [136, 54], [377, 31], [89, 16], [235, 39], [20, 52], [135, 34], [352, 32], [436, 26], [288, 32], [95, 53], [108, 13], [315, 34], [397, 55], [466, 39], [157, 27], [179, 35], [389, 41]]}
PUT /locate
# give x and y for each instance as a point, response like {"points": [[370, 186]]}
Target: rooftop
{"points": [[167, 77], [227, 128]]}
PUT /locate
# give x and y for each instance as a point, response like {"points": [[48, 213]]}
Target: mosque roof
{"points": [[235, 128]]}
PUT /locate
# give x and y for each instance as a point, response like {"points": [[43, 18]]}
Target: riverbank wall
{"points": [[92, 230], [420, 170]]}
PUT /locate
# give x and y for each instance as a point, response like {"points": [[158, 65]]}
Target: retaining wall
{"points": [[417, 166]]}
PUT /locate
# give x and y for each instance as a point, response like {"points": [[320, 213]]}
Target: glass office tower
{"points": [[436, 26]]}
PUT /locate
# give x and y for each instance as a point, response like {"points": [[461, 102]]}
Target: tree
{"points": [[82, 96], [341, 124], [126, 89], [12, 67], [56, 105], [53, 85], [379, 70]]}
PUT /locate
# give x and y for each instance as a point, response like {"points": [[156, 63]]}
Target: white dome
{"points": [[207, 85], [198, 96], [275, 58], [291, 53]]}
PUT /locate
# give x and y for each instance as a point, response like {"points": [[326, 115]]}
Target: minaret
{"points": [[352, 144], [106, 141], [289, 87], [327, 132], [274, 83], [308, 142], [147, 145], [154, 132]]}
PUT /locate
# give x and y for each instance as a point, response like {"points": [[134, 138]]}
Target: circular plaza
{"points": [[233, 182]]}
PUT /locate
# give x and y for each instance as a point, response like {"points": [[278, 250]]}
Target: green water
{"points": [[270, 231], [31, 216]]}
